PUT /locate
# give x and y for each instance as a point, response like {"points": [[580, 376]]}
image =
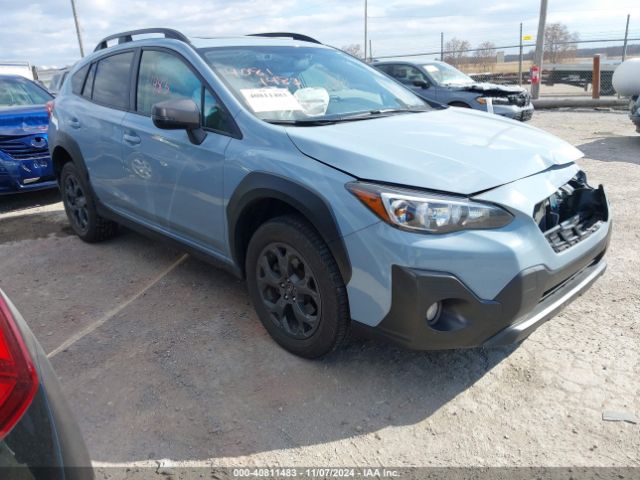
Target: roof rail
{"points": [[295, 36], [125, 37]]}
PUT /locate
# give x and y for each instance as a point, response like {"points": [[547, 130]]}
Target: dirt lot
{"points": [[162, 357]]}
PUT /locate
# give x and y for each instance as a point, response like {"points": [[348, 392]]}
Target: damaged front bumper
{"points": [[514, 112], [25, 164], [487, 288], [531, 298]]}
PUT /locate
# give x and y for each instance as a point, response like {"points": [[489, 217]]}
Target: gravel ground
{"points": [[162, 356]]}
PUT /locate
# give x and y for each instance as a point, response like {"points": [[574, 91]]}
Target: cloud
{"points": [[43, 32]]}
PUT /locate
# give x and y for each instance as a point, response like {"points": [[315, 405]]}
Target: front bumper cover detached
{"points": [[534, 296]]}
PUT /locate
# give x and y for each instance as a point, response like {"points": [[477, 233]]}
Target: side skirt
{"points": [[150, 233]]}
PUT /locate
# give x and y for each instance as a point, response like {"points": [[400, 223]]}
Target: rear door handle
{"points": [[74, 122], [131, 139]]}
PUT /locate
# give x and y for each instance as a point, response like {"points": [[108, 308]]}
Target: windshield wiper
{"points": [[302, 123], [347, 118], [379, 113]]}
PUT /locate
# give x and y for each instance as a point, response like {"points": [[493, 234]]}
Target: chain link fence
{"points": [[567, 69]]}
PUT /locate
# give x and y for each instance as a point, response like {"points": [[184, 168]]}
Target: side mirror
{"points": [[420, 83], [179, 114]]}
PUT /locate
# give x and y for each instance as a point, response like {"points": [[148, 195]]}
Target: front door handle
{"points": [[131, 139]]}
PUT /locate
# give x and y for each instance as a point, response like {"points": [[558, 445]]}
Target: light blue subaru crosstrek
{"points": [[345, 200]]}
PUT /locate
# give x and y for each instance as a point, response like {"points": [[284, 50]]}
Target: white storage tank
{"points": [[626, 78]]}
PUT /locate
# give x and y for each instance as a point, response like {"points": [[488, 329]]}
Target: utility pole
{"points": [[75, 19], [442, 46], [539, 56], [365, 30], [370, 51], [626, 38], [520, 59]]}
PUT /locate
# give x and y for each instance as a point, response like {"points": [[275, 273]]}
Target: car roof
{"points": [[11, 76], [176, 40], [141, 37], [409, 62], [250, 41]]}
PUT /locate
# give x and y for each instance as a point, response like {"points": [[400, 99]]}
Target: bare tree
{"points": [[455, 51], [485, 55], [353, 49], [555, 47]]}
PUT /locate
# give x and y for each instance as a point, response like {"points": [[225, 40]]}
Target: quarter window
{"points": [[111, 84], [88, 85], [165, 77], [77, 80]]}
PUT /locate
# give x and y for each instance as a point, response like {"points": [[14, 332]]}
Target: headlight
{"points": [[425, 212], [494, 100]]}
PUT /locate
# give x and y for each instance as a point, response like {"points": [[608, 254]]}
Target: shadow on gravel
{"points": [[187, 372], [34, 225], [20, 201], [613, 149]]}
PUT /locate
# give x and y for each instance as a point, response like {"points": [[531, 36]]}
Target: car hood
{"points": [[28, 120], [451, 150], [489, 89]]}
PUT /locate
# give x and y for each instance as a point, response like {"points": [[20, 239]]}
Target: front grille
{"points": [[572, 213], [20, 148]]}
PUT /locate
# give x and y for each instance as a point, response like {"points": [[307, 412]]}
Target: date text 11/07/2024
{"points": [[316, 472]]}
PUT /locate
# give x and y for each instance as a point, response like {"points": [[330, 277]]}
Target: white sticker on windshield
{"points": [[314, 100], [270, 99], [431, 68]]}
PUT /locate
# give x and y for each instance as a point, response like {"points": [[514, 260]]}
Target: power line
{"points": [[496, 14], [503, 47]]}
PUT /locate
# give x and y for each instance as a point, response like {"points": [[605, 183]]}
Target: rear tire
{"points": [[80, 206], [296, 287]]}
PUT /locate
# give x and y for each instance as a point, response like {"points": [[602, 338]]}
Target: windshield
{"points": [[298, 84], [445, 74], [17, 92]]}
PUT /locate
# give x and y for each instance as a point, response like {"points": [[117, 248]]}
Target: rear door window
{"points": [[111, 84]]}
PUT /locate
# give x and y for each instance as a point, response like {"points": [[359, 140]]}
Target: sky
{"points": [[43, 32]]}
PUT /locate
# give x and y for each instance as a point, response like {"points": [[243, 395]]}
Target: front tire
{"points": [[296, 287], [80, 207]]}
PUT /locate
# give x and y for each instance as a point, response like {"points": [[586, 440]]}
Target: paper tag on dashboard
{"points": [[270, 99]]}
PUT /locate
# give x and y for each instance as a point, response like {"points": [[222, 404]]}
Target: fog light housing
{"points": [[433, 313]]}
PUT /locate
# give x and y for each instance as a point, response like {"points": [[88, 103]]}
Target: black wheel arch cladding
{"points": [[261, 186], [71, 148]]}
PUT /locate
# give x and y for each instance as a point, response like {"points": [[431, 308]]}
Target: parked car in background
{"points": [[22, 68], [57, 80], [25, 163], [626, 81], [634, 111], [343, 198], [445, 84], [39, 438]]}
